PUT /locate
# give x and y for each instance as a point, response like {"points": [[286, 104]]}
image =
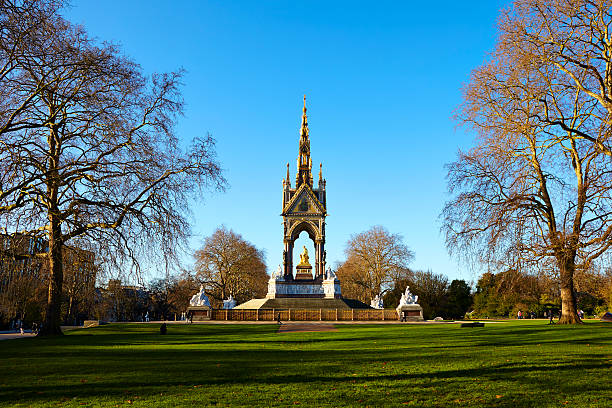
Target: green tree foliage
{"points": [[504, 293], [436, 296], [459, 299]]}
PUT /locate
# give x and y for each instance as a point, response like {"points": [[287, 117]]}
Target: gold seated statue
{"points": [[303, 269]]}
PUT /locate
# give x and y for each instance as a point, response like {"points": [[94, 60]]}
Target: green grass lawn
{"points": [[513, 364]]}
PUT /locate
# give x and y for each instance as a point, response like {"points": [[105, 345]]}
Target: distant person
{"points": [[163, 329], [550, 317], [147, 317], [278, 319], [519, 315]]}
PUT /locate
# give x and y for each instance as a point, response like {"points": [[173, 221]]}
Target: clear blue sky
{"points": [[382, 80]]}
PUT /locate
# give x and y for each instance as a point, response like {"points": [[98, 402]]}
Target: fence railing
{"points": [[304, 314]]}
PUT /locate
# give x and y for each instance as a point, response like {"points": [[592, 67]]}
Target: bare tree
{"points": [[534, 193], [19, 286], [432, 290], [78, 288], [180, 290], [375, 260], [227, 265], [88, 151], [570, 41]]}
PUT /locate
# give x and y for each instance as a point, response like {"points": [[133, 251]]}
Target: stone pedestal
{"points": [[199, 313], [411, 313], [303, 272], [317, 288]]}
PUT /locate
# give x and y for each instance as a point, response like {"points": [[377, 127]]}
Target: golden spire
{"points": [[288, 180], [304, 174], [320, 173], [304, 128]]}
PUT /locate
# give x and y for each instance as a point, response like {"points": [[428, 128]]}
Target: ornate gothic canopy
{"points": [[304, 207]]}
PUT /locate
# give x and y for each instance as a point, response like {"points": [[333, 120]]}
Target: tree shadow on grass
{"points": [[512, 373], [226, 357]]}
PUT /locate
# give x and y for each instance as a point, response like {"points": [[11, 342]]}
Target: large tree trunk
{"points": [[569, 314], [56, 278], [52, 325]]}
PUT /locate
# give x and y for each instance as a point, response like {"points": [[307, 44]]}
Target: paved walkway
{"points": [[305, 327], [335, 322], [8, 335], [285, 327]]}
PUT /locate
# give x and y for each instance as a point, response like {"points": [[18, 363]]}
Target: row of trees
{"points": [[161, 299], [226, 265], [377, 263], [503, 294], [437, 296], [24, 283]]}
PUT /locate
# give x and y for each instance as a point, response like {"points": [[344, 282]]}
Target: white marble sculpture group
{"points": [[377, 302], [329, 274], [408, 298], [229, 303], [278, 274], [200, 298]]}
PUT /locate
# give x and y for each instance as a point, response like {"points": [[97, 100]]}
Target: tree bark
{"points": [[569, 314], [52, 324], [53, 316]]}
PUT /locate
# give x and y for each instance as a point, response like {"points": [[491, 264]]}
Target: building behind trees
{"points": [[24, 275]]}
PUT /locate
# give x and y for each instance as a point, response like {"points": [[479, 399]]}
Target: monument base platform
{"points": [[411, 313], [303, 303], [303, 288]]}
